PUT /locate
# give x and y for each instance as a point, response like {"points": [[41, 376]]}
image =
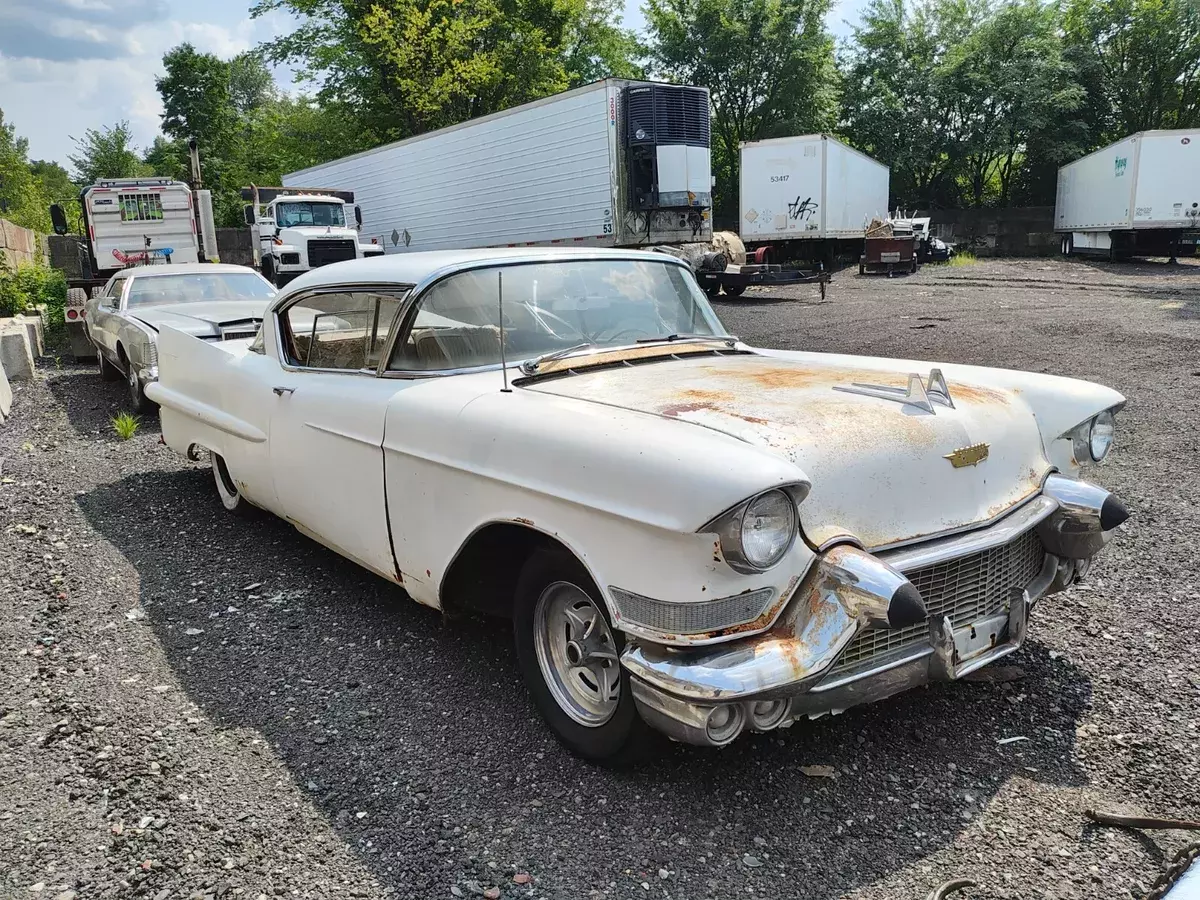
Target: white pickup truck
{"points": [[295, 230]]}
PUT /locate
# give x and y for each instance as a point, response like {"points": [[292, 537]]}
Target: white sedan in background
{"points": [[689, 535], [210, 301]]}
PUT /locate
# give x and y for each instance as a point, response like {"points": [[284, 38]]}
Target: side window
{"points": [[339, 330], [112, 292], [457, 326]]}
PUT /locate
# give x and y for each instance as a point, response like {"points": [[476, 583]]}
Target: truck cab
{"points": [[295, 230]]}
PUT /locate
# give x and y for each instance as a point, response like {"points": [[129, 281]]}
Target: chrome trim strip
{"points": [[1006, 529]]}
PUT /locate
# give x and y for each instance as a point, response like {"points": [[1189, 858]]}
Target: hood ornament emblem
{"points": [[968, 456], [916, 394]]}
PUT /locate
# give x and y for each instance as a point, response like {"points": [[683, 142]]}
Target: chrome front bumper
{"points": [[799, 669]]}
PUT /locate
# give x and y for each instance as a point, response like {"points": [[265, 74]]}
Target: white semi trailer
{"points": [[615, 163], [1137, 197], [810, 195]]}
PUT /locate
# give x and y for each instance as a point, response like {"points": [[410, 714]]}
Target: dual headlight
{"points": [[1094, 438], [756, 535]]}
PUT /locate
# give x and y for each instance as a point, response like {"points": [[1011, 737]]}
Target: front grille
{"points": [[691, 618], [322, 253], [966, 589]]}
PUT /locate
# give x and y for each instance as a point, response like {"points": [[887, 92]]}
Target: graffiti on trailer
{"points": [[801, 210]]}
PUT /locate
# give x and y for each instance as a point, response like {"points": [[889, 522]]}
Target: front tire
{"points": [[569, 655], [137, 397], [227, 489], [108, 372]]}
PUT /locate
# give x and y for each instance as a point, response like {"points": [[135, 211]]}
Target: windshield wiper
{"points": [[671, 338], [530, 366]]}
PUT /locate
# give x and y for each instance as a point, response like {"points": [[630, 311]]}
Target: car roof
{"points": [[417, 266], [184, 269]]}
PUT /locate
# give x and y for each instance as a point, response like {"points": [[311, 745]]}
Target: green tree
{"points": [[1147, 60], [403, 67], [1008, 85], [596, 46], [22, 200], [106, 153], [768, 65], [251, 85]]}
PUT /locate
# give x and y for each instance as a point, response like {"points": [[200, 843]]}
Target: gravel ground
{"points": [[192, 705]]}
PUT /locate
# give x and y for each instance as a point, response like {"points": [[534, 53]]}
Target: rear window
{"points": [[156, 290]]}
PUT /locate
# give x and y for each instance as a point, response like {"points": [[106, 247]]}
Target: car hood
{"points": [[202, 318], [881, 470]]}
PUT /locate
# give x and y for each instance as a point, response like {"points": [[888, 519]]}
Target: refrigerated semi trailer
{"points": [[1137, 197], [810, 195], [616, 163]]}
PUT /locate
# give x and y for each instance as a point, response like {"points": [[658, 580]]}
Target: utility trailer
{"points": [[808, 197], [615, 163], [1137, 197]]}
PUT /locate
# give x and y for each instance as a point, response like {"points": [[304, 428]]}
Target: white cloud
{"points": [[70, 65]]}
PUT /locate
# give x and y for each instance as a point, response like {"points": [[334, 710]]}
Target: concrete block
{"points": [[16, 357], [35, 328], [5, 396]]}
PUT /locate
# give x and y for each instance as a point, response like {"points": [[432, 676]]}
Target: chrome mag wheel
{"points": [[577, 654]]}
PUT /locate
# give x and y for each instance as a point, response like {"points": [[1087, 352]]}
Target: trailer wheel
{"points": [[734, 290], [862, 269]]}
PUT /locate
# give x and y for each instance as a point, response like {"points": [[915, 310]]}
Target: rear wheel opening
{"points": [[231, 497], [569, 655]]}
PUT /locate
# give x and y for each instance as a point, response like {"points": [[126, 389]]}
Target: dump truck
{"points": [[294, 230]]}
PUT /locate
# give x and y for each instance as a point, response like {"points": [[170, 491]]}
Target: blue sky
{"points": [[70, 65]]}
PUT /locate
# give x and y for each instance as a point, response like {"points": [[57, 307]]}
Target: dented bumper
{"points": [[851, 635]]}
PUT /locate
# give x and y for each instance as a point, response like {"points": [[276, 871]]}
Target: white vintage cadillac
{"points": [[689, 534]]}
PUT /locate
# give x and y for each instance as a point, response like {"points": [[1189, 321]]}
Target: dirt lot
{"points": [[196, 706]]}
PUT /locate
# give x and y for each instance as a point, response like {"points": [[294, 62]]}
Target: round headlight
{"points": [[1101, 438], [768, 528]]}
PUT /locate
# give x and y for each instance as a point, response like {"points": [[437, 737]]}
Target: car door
{"points": [[327, 425], [104, 318]]}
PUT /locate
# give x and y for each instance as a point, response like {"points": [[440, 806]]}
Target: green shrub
{"points": [[965, 258], [30, 285]]}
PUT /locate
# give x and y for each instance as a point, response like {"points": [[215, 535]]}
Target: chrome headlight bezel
{"points": [[730, 524], [1083, 437]]}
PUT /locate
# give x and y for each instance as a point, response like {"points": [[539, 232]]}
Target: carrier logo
{"points": [[1119, 165]]}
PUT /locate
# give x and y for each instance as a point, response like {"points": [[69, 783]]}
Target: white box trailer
{"points": [[810, 187], [1137, 197], [614, 163]]}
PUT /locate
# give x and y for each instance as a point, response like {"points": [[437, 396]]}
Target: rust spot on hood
{"points": [[971, 393]]}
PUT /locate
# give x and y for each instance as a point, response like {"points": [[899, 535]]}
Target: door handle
{"points": [[280, 391]]}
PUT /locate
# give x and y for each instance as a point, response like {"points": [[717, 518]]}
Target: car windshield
{"points": [[290, 215], [549, 307], [156, 290]]}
